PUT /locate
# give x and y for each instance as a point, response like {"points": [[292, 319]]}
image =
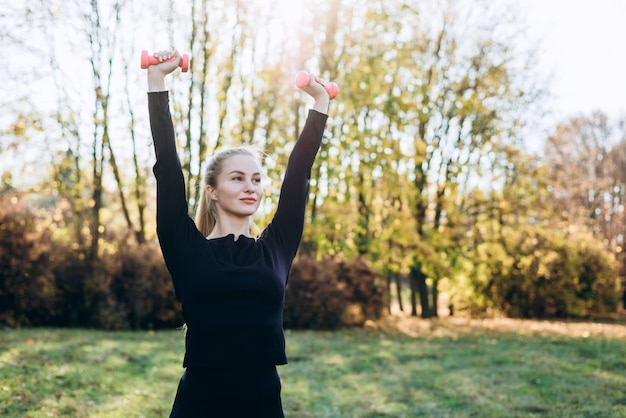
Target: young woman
{"points": [[231, 286]]}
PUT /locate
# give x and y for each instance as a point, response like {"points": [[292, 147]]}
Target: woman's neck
{"points": [[236, 227]]}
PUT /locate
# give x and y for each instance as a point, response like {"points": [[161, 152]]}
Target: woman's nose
{"points": [[249, 186]]}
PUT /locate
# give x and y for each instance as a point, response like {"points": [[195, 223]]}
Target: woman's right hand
{"points": [[317, 91], [157, 73]]}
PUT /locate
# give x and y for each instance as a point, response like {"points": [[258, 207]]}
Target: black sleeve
{"points": [[288, 222], [174, 226]]}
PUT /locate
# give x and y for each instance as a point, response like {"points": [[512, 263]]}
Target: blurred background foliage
{"points": [[435, 182]]}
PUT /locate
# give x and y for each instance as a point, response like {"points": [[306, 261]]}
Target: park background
{"points": [[473, 166], [449, 179]]}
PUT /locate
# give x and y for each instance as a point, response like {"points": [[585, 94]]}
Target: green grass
{"points": [[350, 373]]}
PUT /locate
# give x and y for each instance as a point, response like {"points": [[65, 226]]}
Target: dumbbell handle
{"points": [[148, 60], [303, 78]]}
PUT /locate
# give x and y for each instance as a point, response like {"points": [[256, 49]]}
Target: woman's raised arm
{"points": [[157, 73]]}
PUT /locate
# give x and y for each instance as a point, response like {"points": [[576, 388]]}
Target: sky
{"points": [[584, 48]]}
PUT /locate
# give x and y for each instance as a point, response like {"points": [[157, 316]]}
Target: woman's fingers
{"points": [[164, 55]]}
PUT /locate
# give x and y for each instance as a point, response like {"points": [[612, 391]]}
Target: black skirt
{"points": [[216, 392]]}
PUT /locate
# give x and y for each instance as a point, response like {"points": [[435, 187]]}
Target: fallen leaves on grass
{"points": [[451, 326]]}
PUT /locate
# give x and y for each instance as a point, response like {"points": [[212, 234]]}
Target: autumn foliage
{"points": [[331, 294], [48, 282], [425, 170]]}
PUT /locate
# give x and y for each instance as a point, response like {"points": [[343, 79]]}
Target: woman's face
{"points": [[238, 191]]}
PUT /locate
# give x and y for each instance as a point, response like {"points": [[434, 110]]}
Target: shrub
{"points": [[70, 270], [140, 291], [48, 282], [330, 294], [546, 274], [27, 291]]}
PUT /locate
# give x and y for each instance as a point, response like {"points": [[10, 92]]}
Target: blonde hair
{"points": [[206, 212]]}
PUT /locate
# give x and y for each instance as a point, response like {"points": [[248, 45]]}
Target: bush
{"points": [[130, 289], [546, 274], [27, 290], [140, 291], [70, 270], [330, 294], [48, 282]]}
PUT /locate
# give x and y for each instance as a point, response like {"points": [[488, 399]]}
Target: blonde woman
{"points": [[230, 284]]}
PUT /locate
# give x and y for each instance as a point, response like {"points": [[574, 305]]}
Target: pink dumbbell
{"points": [[148, 60], [303, 78]]}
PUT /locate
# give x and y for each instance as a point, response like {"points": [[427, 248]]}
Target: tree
{"points": [[467, 108], [421, 170], [585, 158]]}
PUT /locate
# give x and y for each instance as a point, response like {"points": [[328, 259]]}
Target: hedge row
{"points": [[49, 282]]}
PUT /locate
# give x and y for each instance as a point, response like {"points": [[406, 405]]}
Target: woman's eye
{"points": [[257, 181]]}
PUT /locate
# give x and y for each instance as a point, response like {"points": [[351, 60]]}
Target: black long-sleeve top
{"points": [[231, 288]]}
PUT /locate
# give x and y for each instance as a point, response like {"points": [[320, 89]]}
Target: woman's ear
{"points": [[211, 192]]}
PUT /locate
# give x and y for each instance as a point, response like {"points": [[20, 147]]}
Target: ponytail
{"points": [[206, 212]]}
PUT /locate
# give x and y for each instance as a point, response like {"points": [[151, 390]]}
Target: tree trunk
{"points": [[398, 279], [419, 280], [362, 233], [434, 312], [390, 276], [414, 291]]}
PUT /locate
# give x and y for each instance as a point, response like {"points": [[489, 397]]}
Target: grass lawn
{"points": [[442, 368]]}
